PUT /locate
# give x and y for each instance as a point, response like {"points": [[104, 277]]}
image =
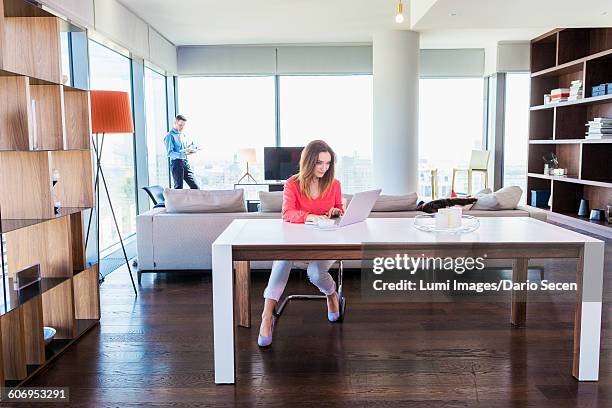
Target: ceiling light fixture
{"points": [[399, 17]]}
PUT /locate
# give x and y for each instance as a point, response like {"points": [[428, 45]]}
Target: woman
{"points": [[310, 195]]}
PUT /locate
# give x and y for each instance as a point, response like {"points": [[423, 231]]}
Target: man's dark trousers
{"points": [[181, 170]]}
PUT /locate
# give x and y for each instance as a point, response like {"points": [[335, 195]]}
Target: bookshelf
{"points": [[45, 157], [558, 58]]}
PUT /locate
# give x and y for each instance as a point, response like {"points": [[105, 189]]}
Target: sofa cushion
{"points": [[391, 203], [404, 202], [204, 201], [271, 201], [506, 198]]}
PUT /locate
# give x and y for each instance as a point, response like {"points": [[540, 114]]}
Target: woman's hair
{"points": [[308, 161]]}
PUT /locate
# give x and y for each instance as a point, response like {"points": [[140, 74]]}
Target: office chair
{"points": [[479, 162], [282, 305], [156, 194]]}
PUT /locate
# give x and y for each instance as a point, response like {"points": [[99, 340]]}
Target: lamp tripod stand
{"points": [[100, 174], [248, 175]]}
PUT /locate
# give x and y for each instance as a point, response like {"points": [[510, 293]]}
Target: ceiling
{"points": [[443, 23]]}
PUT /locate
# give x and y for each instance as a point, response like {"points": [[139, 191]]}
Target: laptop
{"points": [[358, 210]]}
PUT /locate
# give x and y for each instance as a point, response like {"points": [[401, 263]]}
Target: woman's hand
{"points": [[334, 212], [314, 218]]}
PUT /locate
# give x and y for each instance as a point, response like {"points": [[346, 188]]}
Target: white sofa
{"points": [[182, 241]]}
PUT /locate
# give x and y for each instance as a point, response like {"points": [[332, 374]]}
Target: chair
{"points": [[156, 194], [281, 306], [433, 177], [479, 162]]}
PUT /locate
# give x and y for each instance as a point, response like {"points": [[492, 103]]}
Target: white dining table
{"points": [[517, 238]]}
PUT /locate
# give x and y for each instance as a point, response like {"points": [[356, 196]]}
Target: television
{"points": [[281, 162]]}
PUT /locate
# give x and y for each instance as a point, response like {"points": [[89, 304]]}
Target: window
{"points": [[157, 126], [516, 126], [225, 114], [450, 127], [337, 109], [110, 70]]}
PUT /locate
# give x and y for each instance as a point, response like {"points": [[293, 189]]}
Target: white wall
{"points": [[308, 59], [508, 56], [440, 63], [513, 56], [226, 60], [119, 25]]}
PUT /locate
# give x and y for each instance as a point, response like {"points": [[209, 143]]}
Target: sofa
{"points": [[175, 241]]}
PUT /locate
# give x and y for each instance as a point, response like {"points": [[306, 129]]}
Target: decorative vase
{"points": [[583, 210]]}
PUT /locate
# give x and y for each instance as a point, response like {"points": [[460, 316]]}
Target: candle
{"points": [[454, 217], [442, 218], [449, 217]]}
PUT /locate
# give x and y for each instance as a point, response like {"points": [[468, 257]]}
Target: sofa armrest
{"points": [[144, 238], [534, 212]]}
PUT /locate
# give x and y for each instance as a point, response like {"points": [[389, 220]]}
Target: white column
{"points": [[396, 102]]}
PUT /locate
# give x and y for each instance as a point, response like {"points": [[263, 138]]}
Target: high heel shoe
{"points": [[265, 341], [335, 316]]}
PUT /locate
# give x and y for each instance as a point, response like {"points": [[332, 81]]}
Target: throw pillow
{"points": [[506, 198], [204, 201], [271, 201], [388, 203]]}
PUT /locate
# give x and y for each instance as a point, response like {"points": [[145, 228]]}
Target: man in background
{"points": [[178, 150]]}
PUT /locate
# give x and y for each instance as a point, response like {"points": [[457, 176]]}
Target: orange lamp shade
{"points": [[110, 112]]}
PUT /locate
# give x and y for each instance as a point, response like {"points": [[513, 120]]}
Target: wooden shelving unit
{"points": [[558, 58], [45, 157]]}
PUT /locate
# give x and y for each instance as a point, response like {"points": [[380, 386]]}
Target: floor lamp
{"points": [[247, 155], [110, 114]]}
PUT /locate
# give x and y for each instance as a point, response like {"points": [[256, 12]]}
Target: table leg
{"points": [[223, 313], [587, 320], [520, 267], [243, 292]]}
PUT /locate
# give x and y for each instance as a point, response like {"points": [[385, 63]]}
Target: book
{"points": [[598, 137]]}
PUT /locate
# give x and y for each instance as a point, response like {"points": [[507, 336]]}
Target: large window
{"points": [[516, 124], [157, 126], [224, 115], [337, 109], [111, 71], [450, 127]]}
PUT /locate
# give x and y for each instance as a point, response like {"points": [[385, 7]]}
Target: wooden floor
{"points": [[156, 351]]}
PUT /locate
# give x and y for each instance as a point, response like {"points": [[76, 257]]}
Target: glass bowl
{"points": [[427, 223]]}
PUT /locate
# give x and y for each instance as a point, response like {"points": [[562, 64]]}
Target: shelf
{"points": [[563, 69], [8, 225], [575, 220], [602, 225], [572, 180], [593, 100], [571, 66], [12, 299], [570, 141]]}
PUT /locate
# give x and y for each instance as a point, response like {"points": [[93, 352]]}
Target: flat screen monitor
{"points": [[281, 162]]}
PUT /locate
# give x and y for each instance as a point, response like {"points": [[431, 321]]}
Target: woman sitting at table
{"points": [[310, 195]]}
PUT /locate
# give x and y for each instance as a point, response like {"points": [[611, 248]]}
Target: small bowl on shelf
{"points": [[49, 334]]}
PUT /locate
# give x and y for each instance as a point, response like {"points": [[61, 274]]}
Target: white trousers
{"points": [[317, 273]]}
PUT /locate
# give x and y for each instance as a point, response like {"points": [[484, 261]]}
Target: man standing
{"points": [[178, 150]]}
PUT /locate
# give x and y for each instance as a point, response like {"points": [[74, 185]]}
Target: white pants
{"points": [[317, 273]]}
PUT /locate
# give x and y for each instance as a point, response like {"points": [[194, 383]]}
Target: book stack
{"points": [[559, 94], [599, 128], [575, 91]]}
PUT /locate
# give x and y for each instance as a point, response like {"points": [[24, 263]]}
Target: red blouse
{"points": [[296, 206]]}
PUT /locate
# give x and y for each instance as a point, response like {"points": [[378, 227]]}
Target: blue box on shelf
{"points": [[598, 90], [609, 89], [539, 198]]}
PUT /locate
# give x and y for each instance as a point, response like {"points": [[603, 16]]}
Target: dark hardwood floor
{"points": [[156, 351]]}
